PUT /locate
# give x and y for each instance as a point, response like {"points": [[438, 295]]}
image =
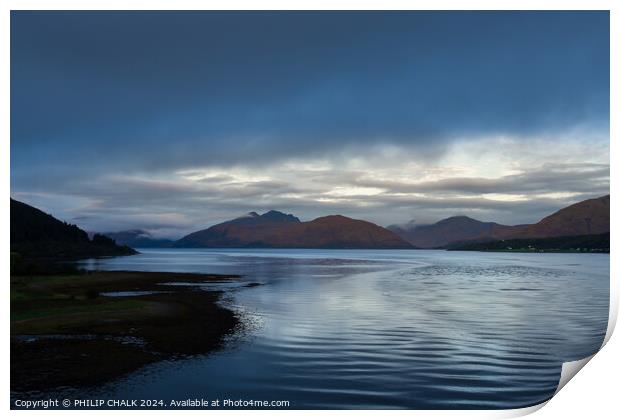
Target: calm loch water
{"points": [[384, 329]]}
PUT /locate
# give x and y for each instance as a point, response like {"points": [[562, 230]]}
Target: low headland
{"points": [[576, 244]]}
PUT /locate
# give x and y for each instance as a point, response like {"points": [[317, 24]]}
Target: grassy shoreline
{"points": [[64, 332]]}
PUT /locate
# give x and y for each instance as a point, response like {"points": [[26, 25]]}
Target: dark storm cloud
{"points": [[130, 90], [172, 121]]}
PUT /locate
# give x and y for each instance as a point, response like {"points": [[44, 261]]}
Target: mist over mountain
{"points": [[446, 231], [139, 238]]}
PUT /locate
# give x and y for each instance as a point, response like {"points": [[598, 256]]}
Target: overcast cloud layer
{"points": [[172, 121]]}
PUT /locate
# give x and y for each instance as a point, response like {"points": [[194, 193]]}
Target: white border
{"points": [[592, 395]]}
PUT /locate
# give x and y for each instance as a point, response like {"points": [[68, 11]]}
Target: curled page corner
{"points": [[520, 412], [613, 313], [570, 369]]}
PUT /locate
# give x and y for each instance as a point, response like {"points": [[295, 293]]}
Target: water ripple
{"points": [[387, 329]]}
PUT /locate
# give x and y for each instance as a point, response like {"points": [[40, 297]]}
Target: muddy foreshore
{"points": [[66, 333]]}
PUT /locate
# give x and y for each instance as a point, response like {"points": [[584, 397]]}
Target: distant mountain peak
{"points": [[274, 212], [275, 229], [588, 217], [271, 215], [445, 231], [460, 219], [278, 216], [333, 216]]}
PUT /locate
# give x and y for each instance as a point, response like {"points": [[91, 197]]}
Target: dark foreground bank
{"points": [[68, 331]]}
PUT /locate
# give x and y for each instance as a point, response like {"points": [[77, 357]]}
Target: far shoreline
{"points": [[539, 251]]}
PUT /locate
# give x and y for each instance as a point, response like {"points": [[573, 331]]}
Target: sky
{"points": [[174, 121]]}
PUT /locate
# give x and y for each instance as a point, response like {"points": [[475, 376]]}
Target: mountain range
{"points": [[279, 230], [589, 217], [35, 233]]}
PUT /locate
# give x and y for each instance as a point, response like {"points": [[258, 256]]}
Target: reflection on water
{"points": [[385, 329]]}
